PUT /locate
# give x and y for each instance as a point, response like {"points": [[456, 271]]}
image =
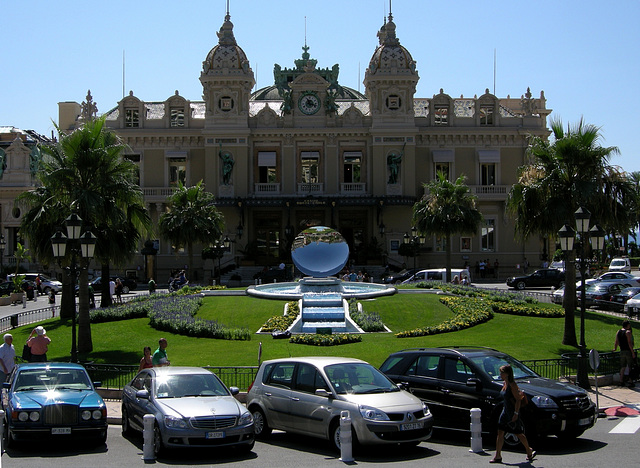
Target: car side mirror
{"points": [[142, 394], [403, 385], [474, 382], [323, 393], [6, 384], [234, 390]]}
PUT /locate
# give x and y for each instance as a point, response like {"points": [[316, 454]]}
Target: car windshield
{"points": [[358, 378], [490, 365], [52, 379], [188, 385], [618, 263]]}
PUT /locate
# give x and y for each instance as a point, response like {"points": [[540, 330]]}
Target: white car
{"points": [[620, 264], [632, 307], [613, 276], [46, 282], [440, 274]]}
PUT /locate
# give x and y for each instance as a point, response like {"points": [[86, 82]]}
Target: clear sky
{"points": [[583, 54]]}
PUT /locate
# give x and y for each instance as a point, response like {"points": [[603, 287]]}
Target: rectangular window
{"points": [[489, 235], [352, 166], [267, 167], [441, 115], [443, 167], [177, 117], [177, 171], [131, 118], [486, 115], [487, 174], [309, 161]]}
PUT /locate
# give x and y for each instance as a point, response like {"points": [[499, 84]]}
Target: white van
{"points": [[439, 274], [620, 264]]}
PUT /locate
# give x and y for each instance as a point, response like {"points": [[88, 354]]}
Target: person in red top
{"points": [[145, 362], [39, 344]]}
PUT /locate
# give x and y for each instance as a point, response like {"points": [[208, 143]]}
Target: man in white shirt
{"points": [[7, 357]]}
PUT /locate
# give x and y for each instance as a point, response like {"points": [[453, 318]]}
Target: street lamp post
{"points": [[416, 242], [219, 247], [596, 237], [80, 246]]}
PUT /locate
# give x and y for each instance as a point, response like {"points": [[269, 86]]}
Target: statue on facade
{"points": [[89, 109], [394, 160], [227, 165]]}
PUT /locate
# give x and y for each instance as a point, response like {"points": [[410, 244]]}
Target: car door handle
{"points": [[267, 394], [445, 390], [294, 399]]}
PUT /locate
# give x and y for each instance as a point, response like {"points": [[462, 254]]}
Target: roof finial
{"points": [[305, 31], [390, 14], [228, 16]]}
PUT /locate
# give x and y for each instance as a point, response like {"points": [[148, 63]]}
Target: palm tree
{"points": [[562, 175], [192, 218], [86, 173], [447, 209]]}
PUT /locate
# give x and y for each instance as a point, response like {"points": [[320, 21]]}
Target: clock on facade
{"points": [[309, 103]]}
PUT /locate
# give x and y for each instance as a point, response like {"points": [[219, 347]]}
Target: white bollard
{"points": [[24, 301], [346, 438], [476, 431], [148, 449]]}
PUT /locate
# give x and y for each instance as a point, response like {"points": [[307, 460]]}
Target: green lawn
{"points": [[523, 337]]}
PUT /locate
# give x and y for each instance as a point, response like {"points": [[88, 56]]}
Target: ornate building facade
{"points": [[308, 150]]}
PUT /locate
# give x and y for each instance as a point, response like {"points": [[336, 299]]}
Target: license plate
{"points": [[214, 435], [411, 426], [60, 430], [584, 421]]}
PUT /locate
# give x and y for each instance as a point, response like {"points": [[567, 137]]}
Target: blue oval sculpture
{"points": [[319, 251]]}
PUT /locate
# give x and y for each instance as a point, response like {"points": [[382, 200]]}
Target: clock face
{"points": [[309, 103]]}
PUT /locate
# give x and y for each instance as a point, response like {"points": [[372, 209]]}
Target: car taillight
{"points": [[251, 385]]}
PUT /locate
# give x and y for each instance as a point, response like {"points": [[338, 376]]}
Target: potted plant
{"points": [[16, 295]]}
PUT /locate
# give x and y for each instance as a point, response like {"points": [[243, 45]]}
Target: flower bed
{"points": [[325, 340]]}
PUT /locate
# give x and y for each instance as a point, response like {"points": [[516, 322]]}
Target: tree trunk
{"points": [[105, 294], [569, 300], [447, 261], [68, 299], [85, 344]]}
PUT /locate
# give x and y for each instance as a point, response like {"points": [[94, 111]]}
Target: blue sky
{"points": [[584, 54]]}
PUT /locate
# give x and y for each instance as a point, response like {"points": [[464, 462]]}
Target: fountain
{"points": [[321, 252]]}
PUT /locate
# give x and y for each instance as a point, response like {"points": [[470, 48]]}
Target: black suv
{"points": [[539, 278], [453, 380]]}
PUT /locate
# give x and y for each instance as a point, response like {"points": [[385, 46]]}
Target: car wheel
{"points": [[125, 289], [334, 435], [260, 426], [158, 446], [126, 426], [520, 285]]}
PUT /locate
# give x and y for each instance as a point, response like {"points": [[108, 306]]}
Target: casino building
{"points": [[309, 150]]}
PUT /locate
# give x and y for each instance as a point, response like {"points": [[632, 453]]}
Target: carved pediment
{"points": [[309, 79]]}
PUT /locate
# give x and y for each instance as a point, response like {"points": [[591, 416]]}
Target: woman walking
{"points": [[509, 420]]}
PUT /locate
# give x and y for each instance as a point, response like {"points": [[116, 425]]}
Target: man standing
{"points": [[159, 358], [624, 339], [7, 357]]}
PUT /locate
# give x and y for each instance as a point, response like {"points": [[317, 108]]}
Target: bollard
{"points": [[148, 449], [1, 438], [24, 301], [346, 439], [476, 431]]}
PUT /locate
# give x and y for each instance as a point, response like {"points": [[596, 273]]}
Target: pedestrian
{"points": [[624, 339], [38, 284], [112, 288], [92, 297], [146, 361], [159, 358], [525, 265], [509, 420], [39, 344], [496, 265], [52, 302], [7, 357], [119, 288], [483, 265], [152, 286]]}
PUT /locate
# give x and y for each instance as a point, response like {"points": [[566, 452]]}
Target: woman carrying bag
{"points": [[39, 344]]}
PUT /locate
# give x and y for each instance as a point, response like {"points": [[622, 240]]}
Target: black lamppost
{"points": [[416, 242], [3, 245], [218, 248], [596, 236], [80, 246]]}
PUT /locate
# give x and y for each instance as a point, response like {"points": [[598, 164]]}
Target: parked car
{"points": [[128, 284], [557, 297], [52, 400], [439, 274], [620, 264], [619, 300], [615, 276], [454, 380], [399, 277], [632, 307], [6, 287], [545, 277], [46, 283], [306, 395], [600, 294], [192, 408]]}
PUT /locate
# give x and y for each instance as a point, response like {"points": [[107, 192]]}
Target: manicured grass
{"points": [[523, 337]]}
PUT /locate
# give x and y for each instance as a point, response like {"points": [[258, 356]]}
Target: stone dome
{"points": [[390, 55], [227, 54]]}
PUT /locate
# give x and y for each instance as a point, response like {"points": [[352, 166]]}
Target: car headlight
{"points": [[171, 421], [97, 414], [425, 409], [245, 419], [373, 414], [32, 416], [544, 402], [86, 415]]}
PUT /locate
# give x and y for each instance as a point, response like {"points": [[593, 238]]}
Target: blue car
{"points": [[52, 400]]}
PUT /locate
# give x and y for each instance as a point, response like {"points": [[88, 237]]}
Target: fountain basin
{"points": [[314, 287]]}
